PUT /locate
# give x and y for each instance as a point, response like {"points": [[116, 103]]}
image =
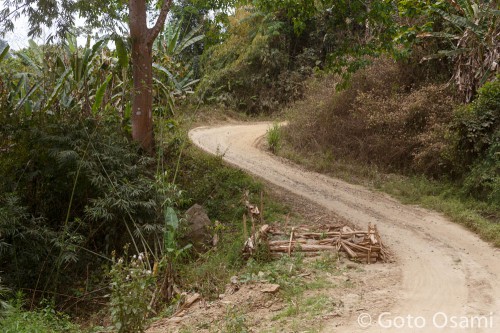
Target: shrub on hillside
{"points": [[405, 131], [476, 126], [475, 147], [385, 118]]}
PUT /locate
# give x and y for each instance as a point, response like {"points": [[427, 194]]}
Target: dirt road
{"points": [[450, 279]]}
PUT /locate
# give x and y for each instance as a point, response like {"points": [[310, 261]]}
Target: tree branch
{"points": [[154, 31]]}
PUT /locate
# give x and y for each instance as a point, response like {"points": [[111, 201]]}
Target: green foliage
{"points": [[174, 75], [483, 181], [477, 125], [273, 46], [132, 287], [70, 185], [44, 320], [4, 52], [250, 71], [274, 138], [217, 187], [299, 13], [100, 95], [467, 31], [234, 322], [212, 15], [57, 79], [475, 136], [5, 307]]}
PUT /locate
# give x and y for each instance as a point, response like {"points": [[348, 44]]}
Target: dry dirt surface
{"points": [[449, 278]]}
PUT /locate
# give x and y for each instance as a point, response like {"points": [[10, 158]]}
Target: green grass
{"points": [[274, 138], [441, 196], [44, 320]]}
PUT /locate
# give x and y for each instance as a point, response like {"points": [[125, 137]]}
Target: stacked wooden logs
{"points": [[362, 246]]}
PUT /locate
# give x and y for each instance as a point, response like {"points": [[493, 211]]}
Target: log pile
{"points": [[362, 246]]}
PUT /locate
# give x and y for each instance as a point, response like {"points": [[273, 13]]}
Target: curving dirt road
{"points": [[450, 279]]}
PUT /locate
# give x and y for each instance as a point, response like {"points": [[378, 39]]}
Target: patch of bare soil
{"points": [[333, 294]]}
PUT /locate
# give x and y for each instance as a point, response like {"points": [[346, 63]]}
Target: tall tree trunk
{"points": [[142, 39], [142, 103]]}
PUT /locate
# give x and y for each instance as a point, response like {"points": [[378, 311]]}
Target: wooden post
{"points": [[261, 207], [245, 230]]}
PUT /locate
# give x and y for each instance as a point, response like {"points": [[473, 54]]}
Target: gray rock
{"points": [[198, 227]]}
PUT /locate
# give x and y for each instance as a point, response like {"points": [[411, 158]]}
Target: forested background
{"points": [[91, 220]]}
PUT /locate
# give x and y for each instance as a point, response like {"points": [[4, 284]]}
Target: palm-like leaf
{"points": [[4, 52]]}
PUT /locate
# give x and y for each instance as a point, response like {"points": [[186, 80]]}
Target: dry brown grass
{"points": [[386, 118]]}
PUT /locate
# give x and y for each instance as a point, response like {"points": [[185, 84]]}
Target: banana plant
{"points": [[75, 78], [173, 78], [4, 52], [472, 29], [172, 43]]}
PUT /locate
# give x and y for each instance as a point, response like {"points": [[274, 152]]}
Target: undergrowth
{"points": [[43, 320]]}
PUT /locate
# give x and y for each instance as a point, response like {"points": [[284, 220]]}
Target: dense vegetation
{"points": [[403, 87]]}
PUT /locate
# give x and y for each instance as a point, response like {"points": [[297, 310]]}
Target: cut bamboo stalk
{"points": [[261, 215], [284, 242], [350, 252], [303, 247], [245, 230], [360, 245]]}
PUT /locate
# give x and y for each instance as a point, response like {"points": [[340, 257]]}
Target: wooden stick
{"points": [[303, 247], [261, 207], [360, 247], [290, 242], [253, 224], [284, 242], [350, 252], [245, 231]]}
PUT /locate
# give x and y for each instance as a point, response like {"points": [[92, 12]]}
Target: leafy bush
{"points": [[70, 188], [132, 287], [476, 125], [217, 187], [475, 135], [467, 32], [483, 181]]}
